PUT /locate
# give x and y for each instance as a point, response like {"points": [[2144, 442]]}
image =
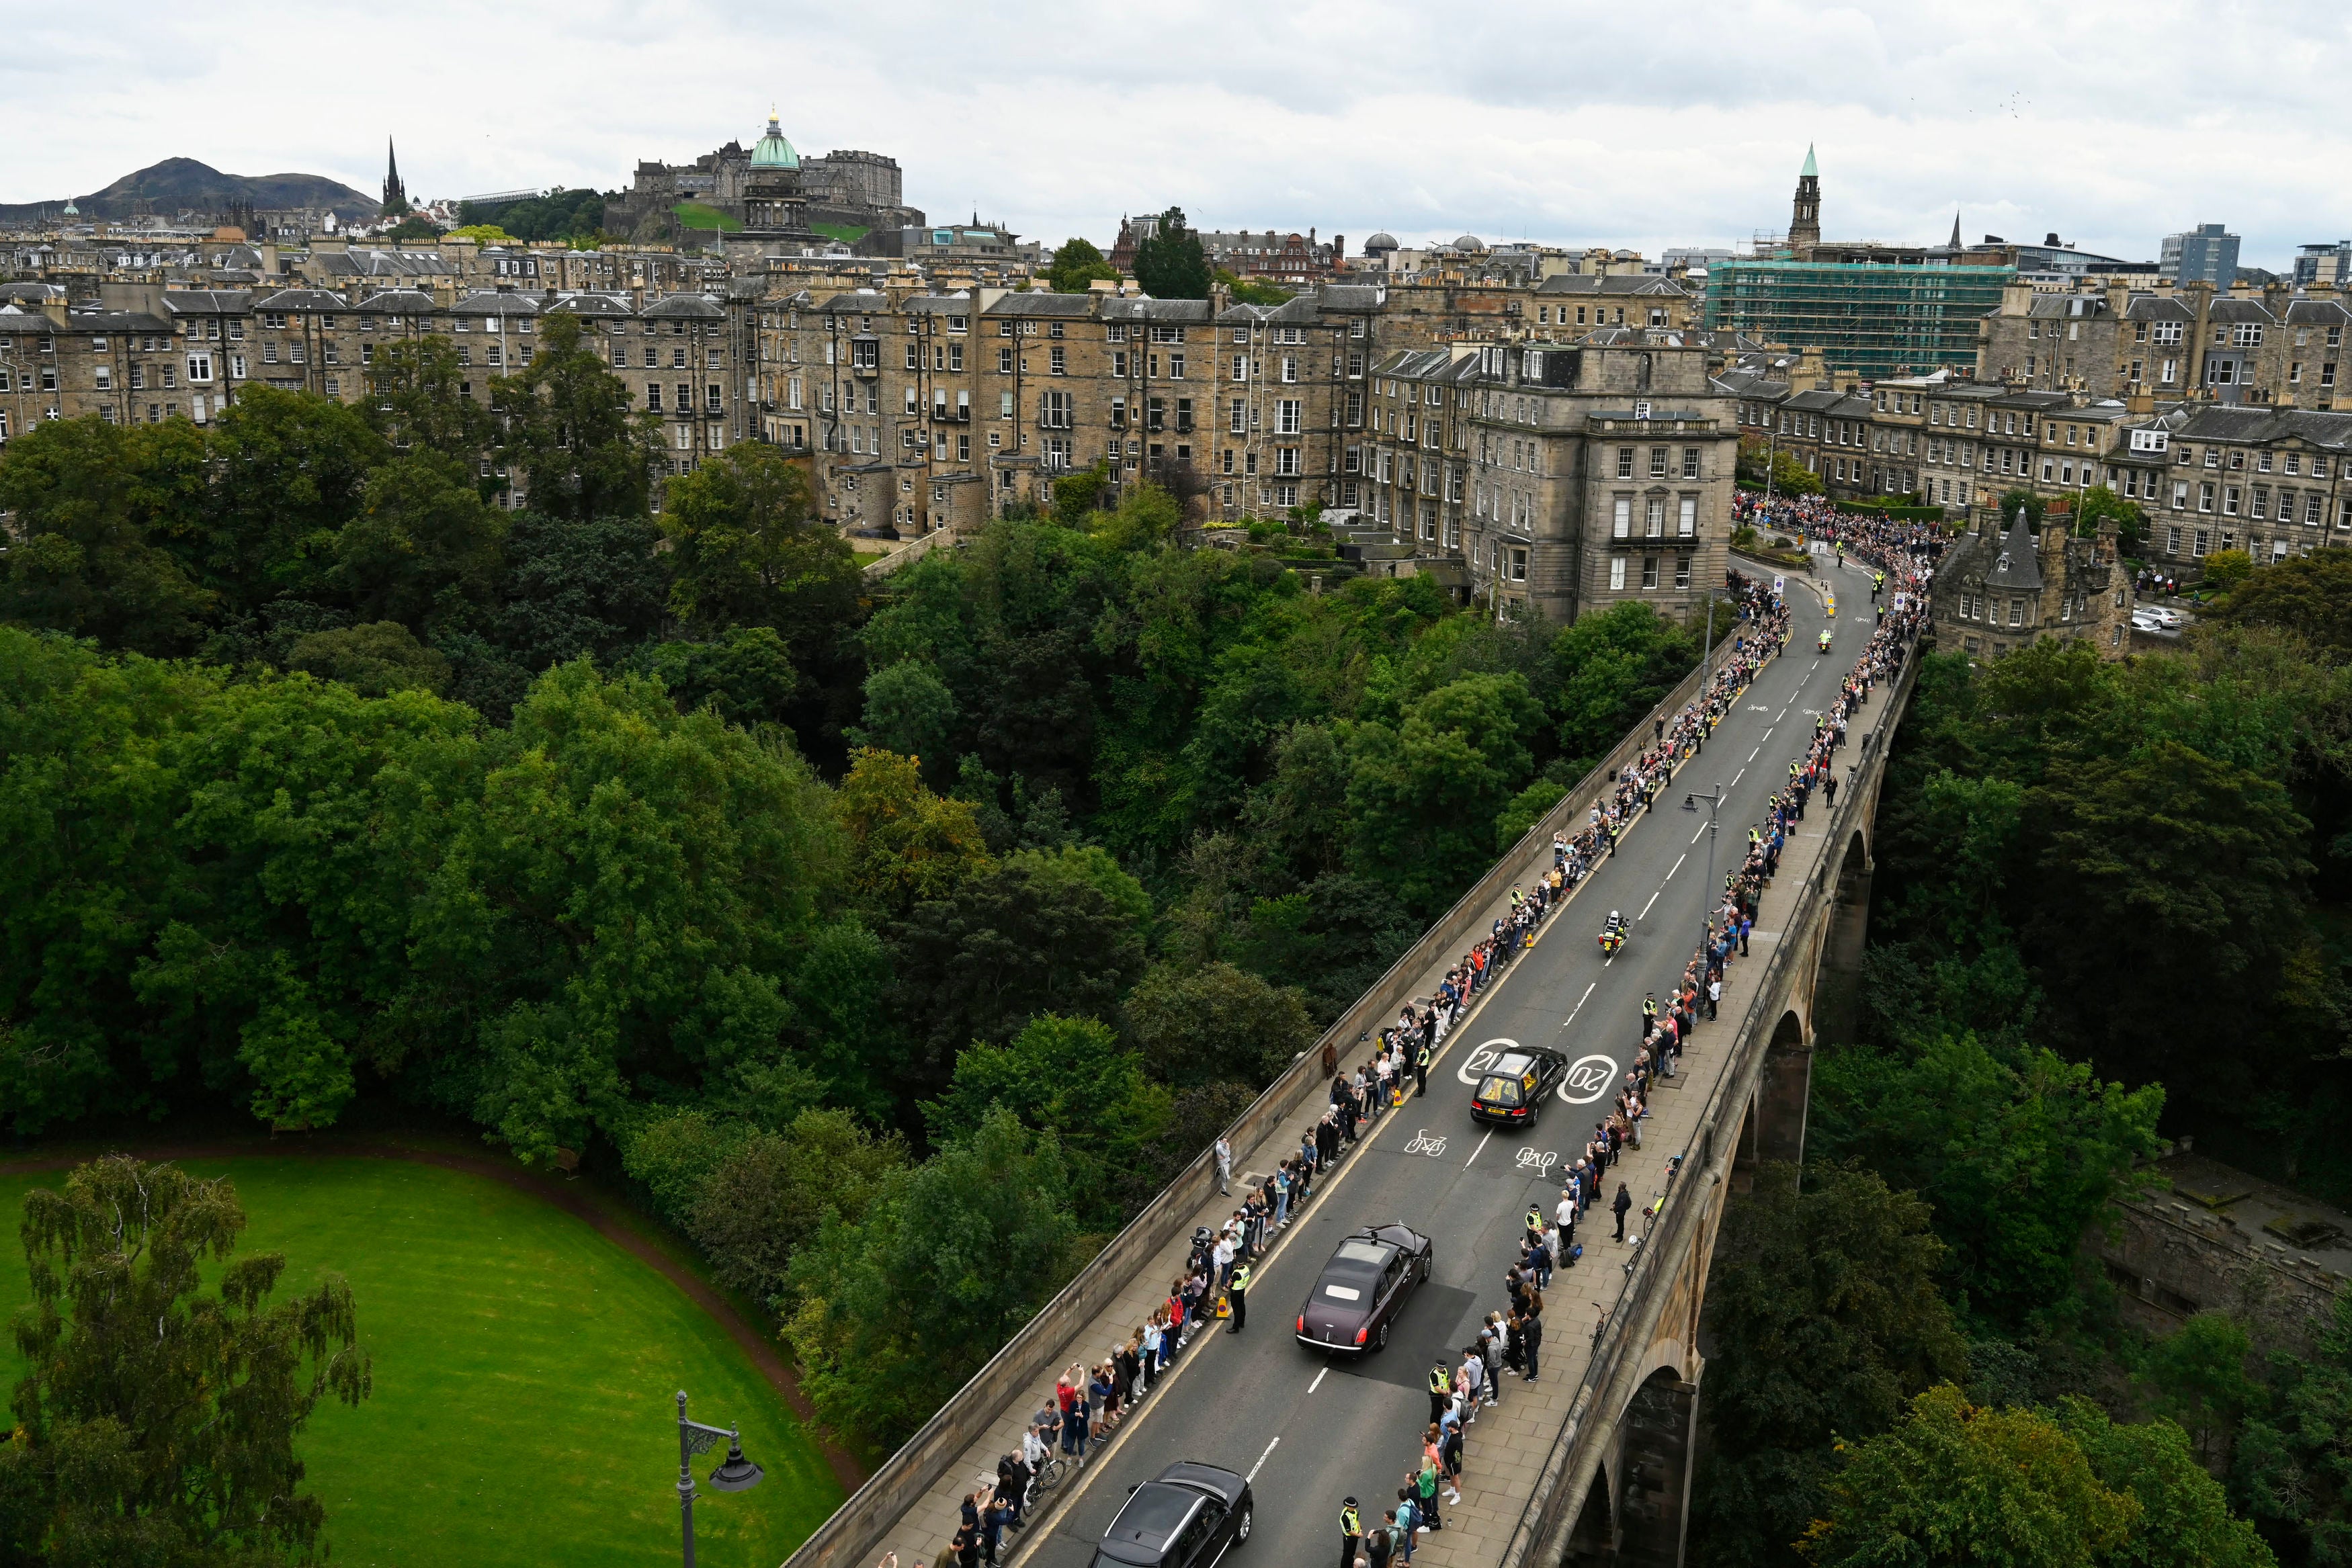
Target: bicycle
{"points": [[1049, 1475]]}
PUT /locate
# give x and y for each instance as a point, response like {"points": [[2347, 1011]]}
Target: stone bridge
{"points": [[1595, 1464]]}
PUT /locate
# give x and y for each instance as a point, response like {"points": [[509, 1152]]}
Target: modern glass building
{"points": [[1876, 319]]}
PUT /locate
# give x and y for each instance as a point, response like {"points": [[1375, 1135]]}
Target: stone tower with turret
{"points": [[1805, 215]]}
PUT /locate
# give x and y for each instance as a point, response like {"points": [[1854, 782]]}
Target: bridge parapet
{"points": [[1652, 1330]]}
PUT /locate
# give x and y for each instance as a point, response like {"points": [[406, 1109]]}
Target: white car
{"points": [[2172, 620]]}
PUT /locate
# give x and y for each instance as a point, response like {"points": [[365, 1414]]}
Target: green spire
{"points": [[1809, 171]]}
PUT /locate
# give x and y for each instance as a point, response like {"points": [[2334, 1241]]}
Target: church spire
{"points": [[395, 194], [1957, 246]]}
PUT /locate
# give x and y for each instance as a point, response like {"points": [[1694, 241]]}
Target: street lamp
{"points": [[735, 1473]]}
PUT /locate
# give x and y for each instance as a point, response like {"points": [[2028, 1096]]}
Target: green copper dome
{"points": [[774, 151]]}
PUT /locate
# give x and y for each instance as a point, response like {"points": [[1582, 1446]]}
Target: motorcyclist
{"points": [[1613, 932], [1825, 639]]}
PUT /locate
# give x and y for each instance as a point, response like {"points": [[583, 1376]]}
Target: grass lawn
{"points": [[848, 234], [525, 1371], [699, 215]]}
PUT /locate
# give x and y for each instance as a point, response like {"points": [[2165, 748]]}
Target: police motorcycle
{"points": [[1613, 932]]}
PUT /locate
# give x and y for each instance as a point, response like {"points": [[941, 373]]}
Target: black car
{"points": [[1512, 1093], [1363, 1288], [1189, 1518]]}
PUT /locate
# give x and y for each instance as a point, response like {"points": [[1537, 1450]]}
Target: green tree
{"points": [[2100, 504], [1525, 810], [2022, 499], [2310, 596], [910, 711], [595, 587], [423, 547], [621, 904], [767, 1197], [1217, 1024], [1959, 1484], [93, 552], [2020, 1155], [1169, 264], [895, 1311], [2200, 861], [1823, 1304], [1034, 934], [1424, 794], [414, 401], [1078, 495], [2184, 1514], [1071, 1079], [749, 551], [2226, 568], [2292, 1467], [1076, 263], [1251, 290], [910, 843], [581, 446], [156, 1422], [2196, 1376], [375, 659], [290, 470], [746, 675], [1611, 669]]}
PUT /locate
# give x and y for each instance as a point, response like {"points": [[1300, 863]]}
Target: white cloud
{"points": [[2112, 123]]}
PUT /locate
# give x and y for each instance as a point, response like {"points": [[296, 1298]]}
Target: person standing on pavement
{"points": [[1531, 1335], [1441, 1390], [1225, 1167], [1421, 1069], [1237, 1292], [1623, 1206], [1351, 1534]]}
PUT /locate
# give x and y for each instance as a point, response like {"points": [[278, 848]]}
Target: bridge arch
{"points": [[1594, 1538], [1655, 1440]]}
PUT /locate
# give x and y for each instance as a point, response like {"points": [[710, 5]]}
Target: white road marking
{"points": [[1645, 908], [1737, 777], [1751, 755], [1479, 1150], [1702, 828], [1270, 1447], [1579, 1003], [1678, 866], [1319, 1378]]}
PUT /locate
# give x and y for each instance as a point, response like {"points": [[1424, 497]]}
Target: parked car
{"points": [[2170, 619], [1362, 1289], [1512, 1093], [1189, 1517]]}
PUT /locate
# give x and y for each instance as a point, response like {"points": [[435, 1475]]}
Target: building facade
{"points": [[2001, 590]]}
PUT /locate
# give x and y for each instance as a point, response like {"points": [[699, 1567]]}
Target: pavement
{"points": [[1310, 1430]]}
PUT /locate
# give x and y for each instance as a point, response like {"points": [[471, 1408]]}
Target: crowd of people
{"points": [[1090, 1402]]}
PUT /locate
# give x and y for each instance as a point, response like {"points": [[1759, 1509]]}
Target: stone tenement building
{"points": [[925, 411], [2209, 476], [1997, 592], [2276, 346], [1570, 473], [189, 353]]}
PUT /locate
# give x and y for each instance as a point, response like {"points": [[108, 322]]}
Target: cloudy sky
{"points": [[1553, 120]]}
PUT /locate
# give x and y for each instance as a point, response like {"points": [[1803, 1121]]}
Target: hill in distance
{"points": [[183, 183]]}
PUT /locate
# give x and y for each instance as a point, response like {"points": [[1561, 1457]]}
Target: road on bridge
{"points": [[1310, 1430]]}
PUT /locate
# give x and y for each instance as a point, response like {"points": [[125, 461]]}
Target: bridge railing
{"points": [[861, 1524], [1550, 1510]]}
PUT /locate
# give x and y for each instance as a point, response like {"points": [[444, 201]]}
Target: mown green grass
{"points": [[701, 215], [526, 1373], [848, 234]]}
